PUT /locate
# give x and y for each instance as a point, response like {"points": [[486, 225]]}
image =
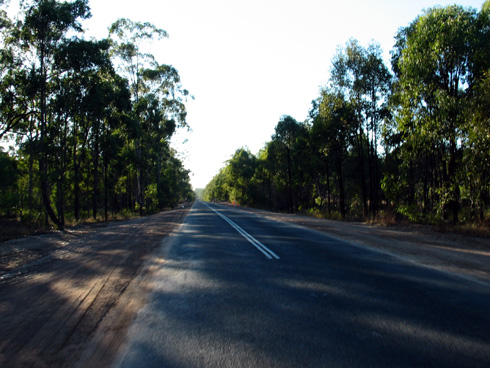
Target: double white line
{"points": [[261, 247]]}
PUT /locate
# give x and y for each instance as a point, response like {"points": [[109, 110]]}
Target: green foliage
{"points": [[8, 183], [199, 193], [92, 121], [438, 62], [331, 133], [217, 188], [92, 141], [157, 99], [361, 78], [415, 145], [240, 171]]}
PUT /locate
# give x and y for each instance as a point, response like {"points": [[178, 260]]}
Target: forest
{"points": [[89, 121], [409, 142]]}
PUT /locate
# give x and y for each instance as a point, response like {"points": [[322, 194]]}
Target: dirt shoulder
{"points": [[67, 298], [465, 255]]}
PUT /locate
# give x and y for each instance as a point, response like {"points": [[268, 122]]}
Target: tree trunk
{"points": [[329, 208], [159, 182], [96, 173], [106, 184], [453, 185], [341, 187], [140, 194], [31, 185], [43, 158], [290, 190], [76, 184], [362, 172]]}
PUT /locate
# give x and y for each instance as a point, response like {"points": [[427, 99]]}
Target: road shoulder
{"points": [[466, 256], [67, 299]]}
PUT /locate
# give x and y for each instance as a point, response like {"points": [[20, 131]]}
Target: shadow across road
{"points": [[217, 301], [50, 311]]}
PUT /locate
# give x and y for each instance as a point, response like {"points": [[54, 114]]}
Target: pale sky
{"points": [[249, 62]]}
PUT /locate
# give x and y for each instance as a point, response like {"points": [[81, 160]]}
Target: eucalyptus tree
{"points": [[79, 112], [434, 61], [331, 134], [158, 106], [41, 33], [241, 169], [14, 99], [360, 75], [217, 188], [376, 87], [106, 104], [177, 186], [164, 99], [284, 150], [264, 191], [114, 128], [17, 111], [155, 133], [8, 183], [476, 156], [128, 39]]}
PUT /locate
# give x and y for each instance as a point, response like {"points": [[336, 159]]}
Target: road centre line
{"points": [[261, 247]]}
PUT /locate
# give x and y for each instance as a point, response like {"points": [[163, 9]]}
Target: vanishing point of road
{"points": [[238, 290]]}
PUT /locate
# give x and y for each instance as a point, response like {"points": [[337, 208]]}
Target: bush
{"points": [[8, 184]]}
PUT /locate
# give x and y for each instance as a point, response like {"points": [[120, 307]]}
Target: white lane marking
{"points": [[261, 247]]}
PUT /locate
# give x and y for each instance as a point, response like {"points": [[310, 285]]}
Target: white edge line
{"points": [[261, 247], [266, 251]]}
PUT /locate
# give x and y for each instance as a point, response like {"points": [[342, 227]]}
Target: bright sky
{"points": [[249, 62]]}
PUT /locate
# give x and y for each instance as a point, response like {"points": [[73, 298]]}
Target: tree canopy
{"points": [[91, 119], [413, 142]]}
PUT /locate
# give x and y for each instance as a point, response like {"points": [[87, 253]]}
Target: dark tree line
{"points": [[414, 140], [91, 119]]}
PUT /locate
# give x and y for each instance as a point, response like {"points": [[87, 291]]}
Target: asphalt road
{"points": [[222, 300]]}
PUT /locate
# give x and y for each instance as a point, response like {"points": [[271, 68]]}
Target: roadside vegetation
{"points": [[409, 142], [89, 121]]}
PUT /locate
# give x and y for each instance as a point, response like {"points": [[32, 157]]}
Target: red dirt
{"points": [[58, 292]]}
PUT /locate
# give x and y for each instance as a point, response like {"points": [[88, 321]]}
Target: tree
{"points": [[376, 87], [284, 149], [264, 190], [8, 183], [14, 99], [165, 111], [360, 75], [43, 31], [78, 131], [128, 38], [217, 189], [331, 135], [476, 156], [241, 169], [433, 61]]}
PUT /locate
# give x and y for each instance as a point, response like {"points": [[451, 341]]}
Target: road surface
{"points": [[235, 289]]}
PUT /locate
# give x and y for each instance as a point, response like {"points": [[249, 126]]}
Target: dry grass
{"points": [[472, 229], [389, 218], [384, 218], [12, 228]]}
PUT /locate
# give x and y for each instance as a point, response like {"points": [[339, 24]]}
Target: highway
{"points": [[237, 290]]}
